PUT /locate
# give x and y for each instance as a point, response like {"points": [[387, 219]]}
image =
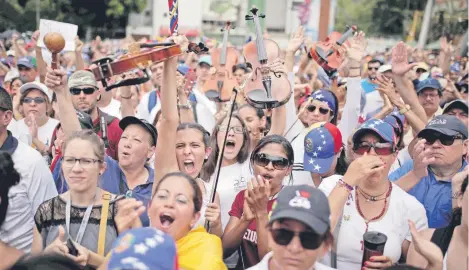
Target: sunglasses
{"points": [[309, 240], [432, 137], [382, 149], [322, 111], [279, 163], [373, 68], [87, 91], [237, 130], [37, 100]]}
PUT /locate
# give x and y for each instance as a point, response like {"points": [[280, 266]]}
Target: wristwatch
{"points": [[405, 109]]}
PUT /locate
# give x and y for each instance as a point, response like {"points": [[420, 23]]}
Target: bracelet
{"points": [[354, 67], [405, 109], [129, 97], [342, 183], [186, 107], [456, 195]]}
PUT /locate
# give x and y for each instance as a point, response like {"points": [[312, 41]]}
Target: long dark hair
{"points": [[287, 148], [209, 167], [260, 114], [342, 164], [8, 178], [336, 110], [197, 199], [199, 128]]}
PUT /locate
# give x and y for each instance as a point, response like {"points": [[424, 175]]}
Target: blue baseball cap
{"points": [[383, 129], [27, 61], [183, 69], [144, 248], [207, 59], [325, 96], [428, 83], [321, 143]]}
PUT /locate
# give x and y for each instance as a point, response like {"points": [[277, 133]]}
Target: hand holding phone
{"points": [[72, 249]]}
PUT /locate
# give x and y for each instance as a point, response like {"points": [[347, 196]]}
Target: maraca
{"points": [[55, 43]]}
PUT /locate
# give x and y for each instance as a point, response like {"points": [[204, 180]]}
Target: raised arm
{"points": [[41, 64], [79, 62], [185, 109], [444, 59]]}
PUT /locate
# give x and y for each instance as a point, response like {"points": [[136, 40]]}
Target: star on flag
{"points": [[315, 154], [323, 142], [319, 148], [311, 161], [140, 249], [317, 167]]}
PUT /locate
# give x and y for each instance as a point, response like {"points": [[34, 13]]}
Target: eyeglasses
{"points": [[237, 130], [382, 149], [279, 163], [37, 100], [426, 95], [309, 240], [432, 137], [373, 68], [87, 91], [69, 162], [322, 111]]}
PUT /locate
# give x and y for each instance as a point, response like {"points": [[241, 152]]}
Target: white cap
{"points": [[11, 53], [384, 68], [10, 75], [36, 85]]}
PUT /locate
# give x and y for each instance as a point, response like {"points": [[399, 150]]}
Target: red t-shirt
{"points": [[249, 253]]}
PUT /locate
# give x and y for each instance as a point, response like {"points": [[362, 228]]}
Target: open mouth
{"points": [[125, 154], [267, 177], [189, 166], [166, 220], [230, 144]]}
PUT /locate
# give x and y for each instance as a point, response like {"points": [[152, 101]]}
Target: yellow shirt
{"points": [[200, 250]]}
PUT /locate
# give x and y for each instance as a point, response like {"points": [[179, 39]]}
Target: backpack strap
{"points": [[106, 198]]}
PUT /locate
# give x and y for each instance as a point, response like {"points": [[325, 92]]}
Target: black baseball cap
{"points": [[458, 103], [131, 120], [446, 124], [303, 203]]}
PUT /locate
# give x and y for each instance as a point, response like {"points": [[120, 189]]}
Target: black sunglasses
{"points": [[432, 137], [279, 163], [322, 111], [87, 91], [308, 239], [382, 149], [37, 100]]}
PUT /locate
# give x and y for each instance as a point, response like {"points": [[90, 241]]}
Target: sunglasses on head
{"points": [[432, 137], [373, 68], [308, 239], [87, 91], [322, 111], [37, 100], [382, 149], [279, 163]]}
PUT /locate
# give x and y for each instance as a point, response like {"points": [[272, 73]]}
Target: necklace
{"points": [[367, 221], [370, 198]]}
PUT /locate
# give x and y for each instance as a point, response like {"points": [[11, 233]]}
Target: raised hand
{"points": [[357, 48], [56, 80], [212, 214], [386, 87], [128, 214], [59, 245], [457, 180], [278, 66], [361, 168], [30, 121], [35, 36], [78, 44], [248, 214], [259, 192], [421, 159], [296, 40], [400, 64], [445, 46]]}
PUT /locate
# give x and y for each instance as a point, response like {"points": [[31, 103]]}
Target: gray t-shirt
{"points": [[51, 215]]}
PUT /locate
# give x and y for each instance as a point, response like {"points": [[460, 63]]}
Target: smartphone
{"points": [[72, 250]]}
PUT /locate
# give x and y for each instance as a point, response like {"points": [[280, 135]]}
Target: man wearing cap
{"points": [[457, 108], [438, 155], [35, 187], [28, 69], [429, 93], [35, 103], [84, 94]]}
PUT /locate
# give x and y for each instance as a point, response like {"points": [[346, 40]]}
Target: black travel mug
{"points": [[373, 245]]}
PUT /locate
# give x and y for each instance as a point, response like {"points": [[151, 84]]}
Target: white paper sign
{"points": [[68, 31]]}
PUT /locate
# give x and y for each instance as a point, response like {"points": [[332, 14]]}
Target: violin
{"points": [[326, 53], [219, 86], [264, 89], [139, 56]]}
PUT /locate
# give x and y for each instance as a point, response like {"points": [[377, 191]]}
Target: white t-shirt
{"points": [[264, 264], [113, 108], [142, 108], [205, 110], [19, 134], [44, 132], [402, 207]]}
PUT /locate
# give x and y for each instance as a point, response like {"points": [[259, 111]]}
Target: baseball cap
{"points": [[384, 68], [11, 53], [142, 249], [446, 124], [10, 75], [458, 103], [207, 59], [428, 83], [421, 65], [384, 130], [304, 203], [325, 96], [82, 78], [27, 61], [131, 120], [321, 143], [5, 100], [36, 85], [183, 69]]}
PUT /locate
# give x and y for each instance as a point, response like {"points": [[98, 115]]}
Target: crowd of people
{"points": [[157, 175]]}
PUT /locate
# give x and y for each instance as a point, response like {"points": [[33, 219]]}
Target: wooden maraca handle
{"points": [[54, 62]]}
